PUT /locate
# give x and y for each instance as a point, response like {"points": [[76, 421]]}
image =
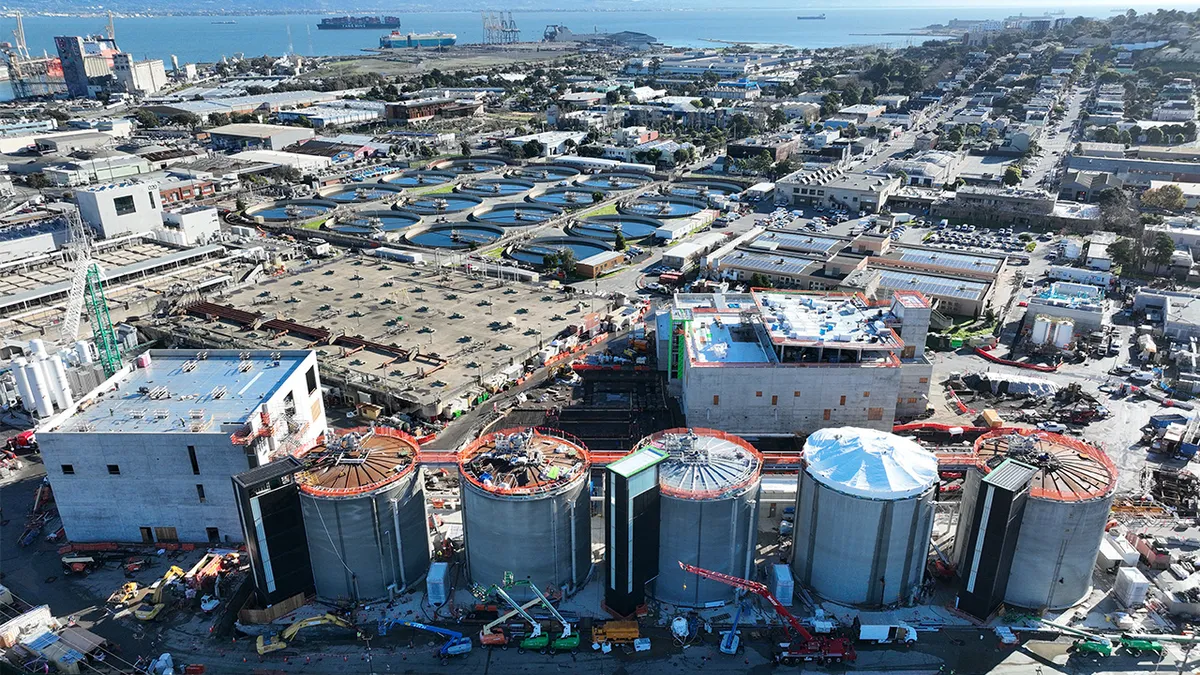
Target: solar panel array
{"points": [[767, 263], [958, 261], [800, 242], [931, 285]]}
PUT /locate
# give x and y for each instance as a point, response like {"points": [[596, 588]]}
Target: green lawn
{"points": [[432, 190], [609, 210], [495, 253], [316, 224]]}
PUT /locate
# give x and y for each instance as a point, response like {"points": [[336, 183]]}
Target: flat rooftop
{"points": [[186, 390], [799, 242], [932, 285], [1077, 296], [775, 264], [722, 338], [844, 321], [966, 262]]}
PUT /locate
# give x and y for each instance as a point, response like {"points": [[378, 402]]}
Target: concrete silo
{"points": [[708, 489], [363, 500], [864, 515], [1068, 507], [526, 508]]}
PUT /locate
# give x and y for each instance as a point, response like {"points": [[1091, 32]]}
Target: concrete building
{"points": [[862, 112], [596, 265], [778, 146], [854, 192], [1082, 303], [553, 142], [131, 207], [932, 168], [1086, 186], [149, 455], [257, 136], [1180, 311], [772, 362], [192, 226], [141, 78], [86, 61]]}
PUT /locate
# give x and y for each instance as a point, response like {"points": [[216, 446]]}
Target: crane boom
{"points": [[79, 254], [755, 588]]}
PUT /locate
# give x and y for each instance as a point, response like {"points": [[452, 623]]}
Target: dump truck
{"points": [[616, 632]]}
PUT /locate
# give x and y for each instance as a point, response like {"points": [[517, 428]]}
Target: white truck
{"points": [[885, 634]]}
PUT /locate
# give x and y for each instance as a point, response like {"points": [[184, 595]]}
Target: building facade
{"points": [[132, 207]]}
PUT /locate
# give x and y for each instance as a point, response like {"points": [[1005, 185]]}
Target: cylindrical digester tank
{"points": [[708, 489], [21, 375], [864, 515], [1041, 330], [1068, 507], [1064, 332], [526, 508], [363, 499]]}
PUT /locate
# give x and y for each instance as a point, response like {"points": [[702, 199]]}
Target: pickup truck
{"points": [[883, 634]]}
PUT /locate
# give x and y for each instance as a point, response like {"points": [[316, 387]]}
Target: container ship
{"points": [[811, 17], [358, 22], [398, 40]]}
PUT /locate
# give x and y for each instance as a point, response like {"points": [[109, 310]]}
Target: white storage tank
{"points": [[64, 395], [1041, 330], [782, 585], [1064, 333], [864, 515], [21, 375], [1065, 515], [1131, 587], [436, 584], [39, 389]]}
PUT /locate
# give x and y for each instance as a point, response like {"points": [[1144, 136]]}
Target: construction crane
{"points": [[489, 638], [88, 288], [271, 643], [456, 643], [809, 648]]}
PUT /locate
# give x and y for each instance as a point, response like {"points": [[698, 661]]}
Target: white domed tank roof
{"points": [[869, 463]]}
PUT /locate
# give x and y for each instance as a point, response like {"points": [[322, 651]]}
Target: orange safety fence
{"points": [[481, 445], [1019, 364]]}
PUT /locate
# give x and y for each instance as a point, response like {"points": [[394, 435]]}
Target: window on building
{"points": [[866, 394], [716, 399], [843, 401], [124, 205], [827, 412], [167, 534], [114, 469], [795, 394], [311, 378], [214, 535], [924, 380], [758, 394], [68, 469], [908, 352], [912, 400], [874, 414], [774, 400], [200, 492], [192, 457]]}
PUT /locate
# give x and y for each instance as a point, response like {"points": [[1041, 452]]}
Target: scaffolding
{"points": [[499, 28]]}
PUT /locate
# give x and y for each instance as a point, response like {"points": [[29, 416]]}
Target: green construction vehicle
{"points": [[545, 643], [1138, 646], [1102, 646], [1096, 646]]}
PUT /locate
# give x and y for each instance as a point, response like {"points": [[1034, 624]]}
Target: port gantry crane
{"points": [[809, 647]]}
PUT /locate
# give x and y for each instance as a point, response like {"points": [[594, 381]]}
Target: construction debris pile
{"points": [[1178, 489], [525, 459]]}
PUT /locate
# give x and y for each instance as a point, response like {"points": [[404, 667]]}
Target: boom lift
{"points": [[809, 648], [153, 603], [456, 643], [731, 641], [499, 638], [568, 641], [268, 644]]}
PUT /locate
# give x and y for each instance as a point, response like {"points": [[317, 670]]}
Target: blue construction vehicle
{"points": [[456, 643]]}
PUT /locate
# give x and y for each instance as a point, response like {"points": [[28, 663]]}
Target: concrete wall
{"points": [[913, 394], [1085, 320], [793, 398], [98, 208]]}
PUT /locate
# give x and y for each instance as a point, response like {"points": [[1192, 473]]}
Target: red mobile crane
{"points": [[809, 647]]}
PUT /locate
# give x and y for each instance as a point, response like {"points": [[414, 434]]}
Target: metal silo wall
{"points": [[1056, 551], [718, 535], [360, 534], [532, 538], [845, 545]]}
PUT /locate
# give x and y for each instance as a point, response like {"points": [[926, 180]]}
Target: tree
{"points": [[681, 156], [612, 96], [1115, 211], [759, 280], [240, 203], [58, 115], [1167, 197], [775, 119], [1108, 134], [465, 148], [1154, 135], [761, 163], [218, 119], [619, 243], [190, 120], [1161, 249], [1012, 175], [533, 148], [570, 144], [597, 196], [1125, 254], [145, 118]]}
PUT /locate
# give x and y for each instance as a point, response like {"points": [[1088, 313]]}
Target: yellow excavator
{"points": [[153, 603], [272, 643]]}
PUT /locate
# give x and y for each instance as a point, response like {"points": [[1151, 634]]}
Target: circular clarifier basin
{"points": [[616, 181], [295, 209], [412, 179], [495, 187], [568, 197], [442, 202], [460, 236], [544, 174], [661, 207], [509, 215], [703, 189], [345, 194], [535, 252], [606, 227], [470, 166], [366, 223]]}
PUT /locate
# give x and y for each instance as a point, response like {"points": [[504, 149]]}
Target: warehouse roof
{"points": [[183, 390], [251, 130], [929, 284]]}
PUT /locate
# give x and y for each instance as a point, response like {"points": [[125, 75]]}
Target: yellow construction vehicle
{"points": [[125, 594], [272, 643], [153, 603], [616, 632]]}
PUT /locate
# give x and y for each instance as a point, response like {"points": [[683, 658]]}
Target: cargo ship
{"points": [[398, 40], [358, 22], [811, 17]]}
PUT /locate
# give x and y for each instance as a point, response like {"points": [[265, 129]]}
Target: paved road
{"points": [[1055, 143]]}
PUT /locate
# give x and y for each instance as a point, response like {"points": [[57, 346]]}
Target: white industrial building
{"points": [[779, 362], [1081, 303], [148, 456], [132, 207], [191, 226], [139, 77]]}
